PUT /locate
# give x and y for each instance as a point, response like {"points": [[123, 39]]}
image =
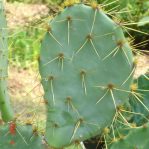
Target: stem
{"points": [[5, 107]]}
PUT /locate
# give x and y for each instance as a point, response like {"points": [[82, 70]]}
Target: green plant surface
{"points": [[15, 137], [142, 107], [136, 138], [5, 108], [85, 66], [133, 116]]}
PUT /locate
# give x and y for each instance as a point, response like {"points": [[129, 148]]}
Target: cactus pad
{"points": [[137, 138], [140, 102], [19, 137], [86, 65], [6, 111]]}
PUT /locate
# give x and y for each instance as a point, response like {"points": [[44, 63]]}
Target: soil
{"points": [[20, 14], [26, 95]]}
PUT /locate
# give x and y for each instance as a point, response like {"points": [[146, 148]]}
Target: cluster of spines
{"points": [[132, 118]]}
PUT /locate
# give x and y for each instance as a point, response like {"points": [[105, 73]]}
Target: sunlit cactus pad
{"points": [[20, 137], [137, 138], [85, 66]]}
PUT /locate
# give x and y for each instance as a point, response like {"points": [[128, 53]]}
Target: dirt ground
{"points": [[27, 95], [19, 14], [142, 65]]}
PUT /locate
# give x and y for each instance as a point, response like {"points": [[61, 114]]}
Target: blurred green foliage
{"points": [[24, 47]]}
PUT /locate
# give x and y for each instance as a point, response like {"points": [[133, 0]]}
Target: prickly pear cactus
{"points": [[6, 111], [17, 137], [86, 66], [140, 102], [137, 138]]}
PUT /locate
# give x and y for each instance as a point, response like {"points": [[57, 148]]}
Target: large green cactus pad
{"points": [[6, 111], [85, 66], [23, 137], [137, 138]]}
